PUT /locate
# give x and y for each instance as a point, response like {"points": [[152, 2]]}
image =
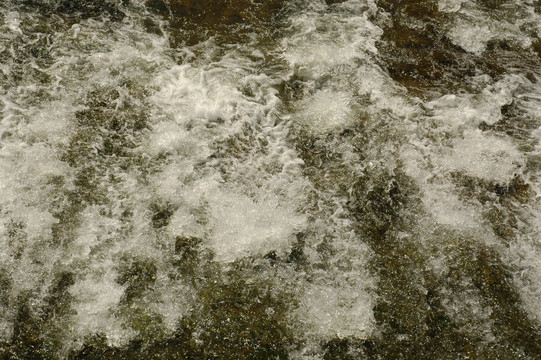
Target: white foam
{"points": [[450, 5], [51, 123], [169, 137], [473, 27], [325, 111], [447, 209], [196, 108], [471, 37], [95, 305], [525, 255], [236, 225], [485, 157], [320, 42], [336, 311], [459, 112]]}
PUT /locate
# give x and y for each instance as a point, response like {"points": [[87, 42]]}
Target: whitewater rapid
{"points": [[275, 192]]}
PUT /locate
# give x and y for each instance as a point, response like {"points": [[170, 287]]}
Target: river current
{"points": [[270, 179]]}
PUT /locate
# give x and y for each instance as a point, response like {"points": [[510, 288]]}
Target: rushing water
{"points": [[272, 179]]}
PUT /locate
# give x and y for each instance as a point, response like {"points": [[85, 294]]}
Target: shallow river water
{"points": [[270, 179]]}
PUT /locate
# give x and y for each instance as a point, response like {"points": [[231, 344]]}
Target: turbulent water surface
{"points": [[270, 179]]}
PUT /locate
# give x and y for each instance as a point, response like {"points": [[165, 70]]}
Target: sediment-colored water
{"points": [[278, 179]]}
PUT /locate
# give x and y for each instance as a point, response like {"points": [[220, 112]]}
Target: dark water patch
{"points": [[194, 262], [324, 161], [536, 45], [516, 190], [193, 21], [296, 87], [26, 342], [40, 334], [492, 4], [413, 313], [190, 257], [401, 309], [77, 10], [234, 319], [160, 7], [503, 210], [537, 6], [245, 321], [417, 53], [58, 301], [501, 202], [161, 215], [292, 89], [137, 277], [105, 139], [420, 56], [5, 286], [17, 237], [152, 26], [517, 336], [297, 254], [344, 349], [87, 9], [494, 280], [332, 2]]}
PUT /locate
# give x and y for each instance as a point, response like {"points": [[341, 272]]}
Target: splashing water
{"points": [[270, 180]]}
